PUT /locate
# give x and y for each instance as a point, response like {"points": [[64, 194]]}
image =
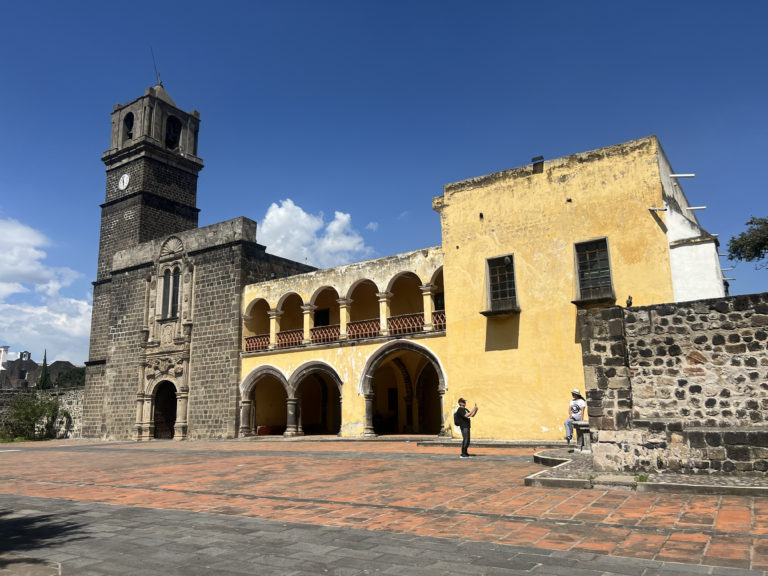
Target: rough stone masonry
{"points": [[679, 386]]}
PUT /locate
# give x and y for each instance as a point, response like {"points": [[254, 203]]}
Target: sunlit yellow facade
{"points": [[388, 346]]}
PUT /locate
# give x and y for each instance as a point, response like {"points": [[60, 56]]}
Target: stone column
{"points": [[138, 428], [148, 423], [180, 428], [245, 417], [291, 428], [344, 304], [299, 425], [369, 432], [274, 327], [309, 322], [444, 428], [427, 291], [384, 299]]}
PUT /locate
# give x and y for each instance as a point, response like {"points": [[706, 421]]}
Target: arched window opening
{"points": [[291, 322], [172, 133], [325, 325], [175, 293], [407, 305], [166, 292], [128, 127], [256, 327], [364, 313], [171, 283]]}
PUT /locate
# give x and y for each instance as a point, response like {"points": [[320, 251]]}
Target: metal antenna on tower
{"points": [[159, 81]]}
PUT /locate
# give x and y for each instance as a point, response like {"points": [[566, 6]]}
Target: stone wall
{"points": [[70, 399], [679, 386], [126, 337]]}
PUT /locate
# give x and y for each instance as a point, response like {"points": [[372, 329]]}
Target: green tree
{"points": [[44, 382], [71, 378], [752, 244], [32, 417]]}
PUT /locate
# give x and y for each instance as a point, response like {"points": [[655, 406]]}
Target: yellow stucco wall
{"points": [[520, 369]]}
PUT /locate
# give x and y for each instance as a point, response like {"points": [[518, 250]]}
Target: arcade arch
{"points": [[404, 385], [263, 404]]}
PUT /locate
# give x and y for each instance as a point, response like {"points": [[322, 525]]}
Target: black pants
{"points": [[464, 440]]}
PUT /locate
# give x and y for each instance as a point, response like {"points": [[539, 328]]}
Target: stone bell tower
{"points": [[152, 167]]}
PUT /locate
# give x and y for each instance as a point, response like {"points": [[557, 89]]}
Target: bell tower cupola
{"points": [[152, 167]]}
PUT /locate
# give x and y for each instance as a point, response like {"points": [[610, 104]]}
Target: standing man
{"points": [[462, 419], [576, 410]]}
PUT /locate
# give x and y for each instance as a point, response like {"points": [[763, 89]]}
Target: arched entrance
{"points": [[268, 400], [404, 387], [427, 389], [164, 417], [318, 397]]}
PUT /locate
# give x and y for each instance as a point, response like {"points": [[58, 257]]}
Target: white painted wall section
{"points": [[696, 272]]}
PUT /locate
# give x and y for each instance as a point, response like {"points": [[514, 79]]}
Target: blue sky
{"points": [[334, 124]]}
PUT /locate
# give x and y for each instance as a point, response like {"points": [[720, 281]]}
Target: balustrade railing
{"points": [[325, 333], [363, 328], [405, 323], [254, 343], [397, 325], [289, 338]]}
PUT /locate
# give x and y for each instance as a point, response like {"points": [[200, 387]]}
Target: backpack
{"points": [[457, 420]]}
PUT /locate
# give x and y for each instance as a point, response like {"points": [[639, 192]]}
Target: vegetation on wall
{"points": [[33, 417]]}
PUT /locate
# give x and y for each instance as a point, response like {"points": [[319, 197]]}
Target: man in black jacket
{"points": [[462, 419]]}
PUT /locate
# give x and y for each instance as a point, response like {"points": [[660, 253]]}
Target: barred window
{"points": [[594, 270], [501, 284]]}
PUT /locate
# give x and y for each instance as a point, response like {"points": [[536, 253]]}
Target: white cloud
{"points": [[288, 231], [38, 317], [372, 226]]}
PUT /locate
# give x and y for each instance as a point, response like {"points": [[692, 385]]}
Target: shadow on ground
{"points": [[32, 532]]}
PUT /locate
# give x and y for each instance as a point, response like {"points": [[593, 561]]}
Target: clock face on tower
{"points": [[123, 182]]}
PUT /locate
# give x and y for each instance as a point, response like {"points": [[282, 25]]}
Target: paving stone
{"points": [[490, 522]]}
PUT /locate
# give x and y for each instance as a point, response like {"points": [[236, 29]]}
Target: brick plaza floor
{"points": [[393, 487]]}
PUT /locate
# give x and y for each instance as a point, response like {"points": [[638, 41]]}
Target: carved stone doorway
{"points": [[165, 411]]}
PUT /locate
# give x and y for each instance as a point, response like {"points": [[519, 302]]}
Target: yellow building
{"points": [[389, 345]]}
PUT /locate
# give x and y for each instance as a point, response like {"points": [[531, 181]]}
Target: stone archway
{"points": [[404, 385], [164, 412], [317, 394], [265, 405]]}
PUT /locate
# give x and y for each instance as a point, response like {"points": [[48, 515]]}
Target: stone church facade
{"points": [[166, 327]]}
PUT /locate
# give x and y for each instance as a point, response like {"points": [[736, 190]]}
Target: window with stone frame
{"points": [[594, 271], [171, 281], [502, 291]]}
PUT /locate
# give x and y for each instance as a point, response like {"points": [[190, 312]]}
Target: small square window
{"points": [[594, 271], [502, 293]]}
